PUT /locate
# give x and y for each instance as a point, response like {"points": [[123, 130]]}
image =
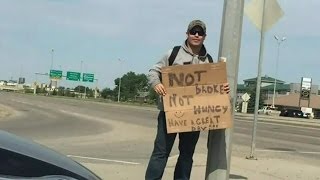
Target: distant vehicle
{"points": [[292, 113], [268, 110], [25, 159], [264, 110]]}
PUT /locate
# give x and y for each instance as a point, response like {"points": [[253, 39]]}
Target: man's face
{"points": [[196, 36]]}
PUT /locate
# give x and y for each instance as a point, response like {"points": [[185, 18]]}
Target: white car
{"points": [[267, 110]]}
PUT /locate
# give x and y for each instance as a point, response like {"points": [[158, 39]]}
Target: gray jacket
{"points": [[184, 56]]}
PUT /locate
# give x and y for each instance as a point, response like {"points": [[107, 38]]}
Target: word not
{"points": [[210, 89], [182, 100], [209, 108], [185, 79]]}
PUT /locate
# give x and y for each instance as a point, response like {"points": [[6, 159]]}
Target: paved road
{"points": [[112, 132]]}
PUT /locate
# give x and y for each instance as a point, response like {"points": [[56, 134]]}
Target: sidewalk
{"points": [[241, 169]]}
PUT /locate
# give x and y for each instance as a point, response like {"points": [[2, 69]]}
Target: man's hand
{"points": [[226, 88], [159, 88]]}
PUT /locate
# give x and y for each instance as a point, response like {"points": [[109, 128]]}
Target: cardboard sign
{"points": [[195, 99]]}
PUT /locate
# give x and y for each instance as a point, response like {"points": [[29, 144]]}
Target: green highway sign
{"points": [[86, 77], [73, 76], [55, 74]]}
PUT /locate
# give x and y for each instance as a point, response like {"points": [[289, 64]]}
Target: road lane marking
{"points": [[100, 159], [283, 151], [277, 123]]}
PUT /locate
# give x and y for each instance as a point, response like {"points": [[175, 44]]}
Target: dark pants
{"points": [[162, 148]]}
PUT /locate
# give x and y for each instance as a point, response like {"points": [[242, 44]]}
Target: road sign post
{"points": [[263, 14]]}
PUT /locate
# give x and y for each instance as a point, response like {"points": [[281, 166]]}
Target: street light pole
{"points": [[85, 85], [80, 77], [119, 82], [95, 90], [279, 41], [119, 90], [51, 66]]}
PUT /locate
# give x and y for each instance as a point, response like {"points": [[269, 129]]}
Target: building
{"points": [[267, 87], [286, 95]]}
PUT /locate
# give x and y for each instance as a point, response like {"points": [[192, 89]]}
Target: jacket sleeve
{"points": [[154, 76]]}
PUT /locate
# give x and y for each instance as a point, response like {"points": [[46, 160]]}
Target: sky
{"points": [[112, 37]]}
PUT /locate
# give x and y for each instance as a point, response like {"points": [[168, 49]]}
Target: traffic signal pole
{"points": [[220, 141]]}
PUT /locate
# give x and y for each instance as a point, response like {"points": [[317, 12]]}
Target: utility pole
{"points": [[220, 141]]}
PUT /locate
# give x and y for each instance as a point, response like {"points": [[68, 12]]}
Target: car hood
{"points": [[34, 150]]}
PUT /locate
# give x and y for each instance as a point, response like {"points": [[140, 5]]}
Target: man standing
{"points": [[191, 52]]}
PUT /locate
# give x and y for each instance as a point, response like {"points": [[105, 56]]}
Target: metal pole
{"points": [[277, 64], [85, 86], [119, 82], [276, 76], [95, 90], [52, 52], [119, 90], [36, 82], [253, 144], [300, 92], [310, 92], [80, 77], [51, 66], [220, 141]]}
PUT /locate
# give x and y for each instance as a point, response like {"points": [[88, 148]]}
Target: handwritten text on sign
{"points": [[196, 99]]}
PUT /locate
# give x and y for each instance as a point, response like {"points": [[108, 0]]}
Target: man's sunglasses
{"points": [[195, 31]]}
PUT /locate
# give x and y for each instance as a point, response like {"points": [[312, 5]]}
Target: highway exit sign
{"points": [[73, 76], [55, 74], [87, 77]]}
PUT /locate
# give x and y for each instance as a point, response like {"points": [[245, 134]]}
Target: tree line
{"points": [[133, 88]]}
